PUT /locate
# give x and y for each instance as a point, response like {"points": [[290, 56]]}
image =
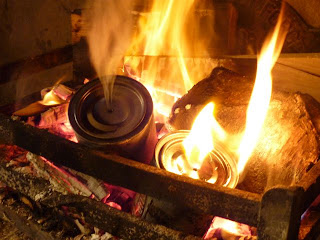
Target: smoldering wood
{"points": [[98, 214], [289, 141], [200, 196]]}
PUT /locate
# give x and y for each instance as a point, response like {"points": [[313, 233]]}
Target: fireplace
{"points": [[279, 213]]}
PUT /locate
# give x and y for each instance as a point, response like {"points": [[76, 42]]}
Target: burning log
{"points": [[289, 142]]}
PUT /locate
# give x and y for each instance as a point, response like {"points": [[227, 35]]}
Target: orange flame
{"points": [[164, 31], [198, 144], [261, 95], [200, 141], [51, 99]]}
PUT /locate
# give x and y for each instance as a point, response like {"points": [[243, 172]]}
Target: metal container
{"points": [[127, 129], [219, 167]]}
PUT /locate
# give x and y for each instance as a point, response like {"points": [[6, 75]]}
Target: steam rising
{"points": [[109, 34]]}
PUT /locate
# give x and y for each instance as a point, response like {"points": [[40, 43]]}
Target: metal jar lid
{"points": [[219, 167], [92, 122]]}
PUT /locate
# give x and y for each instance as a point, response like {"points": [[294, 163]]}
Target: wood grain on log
{"points": [[289, 141]]}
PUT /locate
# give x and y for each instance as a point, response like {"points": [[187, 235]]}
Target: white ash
{"points": [[78, 183], [54, 176], [97, 187]]}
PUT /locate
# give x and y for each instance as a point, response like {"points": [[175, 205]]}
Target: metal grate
{"points": [[276, 213]]}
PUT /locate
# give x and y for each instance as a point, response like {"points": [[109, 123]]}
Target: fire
{"points": [[200, 141], [261, 94], [205, 130], [51, 99], [198, 144], [164, 38]]}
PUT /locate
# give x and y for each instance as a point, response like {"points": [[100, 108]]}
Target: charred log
{"points": [[289, 141]]}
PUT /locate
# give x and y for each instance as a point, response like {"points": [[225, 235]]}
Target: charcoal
{"points": [[289, 141]]}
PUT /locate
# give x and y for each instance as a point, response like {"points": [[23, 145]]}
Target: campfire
{"points": [[158, 145]]}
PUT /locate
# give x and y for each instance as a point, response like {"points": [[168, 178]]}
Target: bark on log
{"points": [[289, 141]]}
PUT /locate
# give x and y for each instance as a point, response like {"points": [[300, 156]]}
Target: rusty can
{"points": [[127, 129]]}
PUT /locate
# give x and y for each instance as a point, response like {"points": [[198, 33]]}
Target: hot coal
{"points": [[289, 141]]}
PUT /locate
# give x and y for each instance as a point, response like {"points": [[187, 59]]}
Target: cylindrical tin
{"points": [[222, 171], [219, 167], [127, 129]]}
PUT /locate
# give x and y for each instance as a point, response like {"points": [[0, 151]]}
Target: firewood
{"points": [[32, 109], [289, 141], [96, 213]]}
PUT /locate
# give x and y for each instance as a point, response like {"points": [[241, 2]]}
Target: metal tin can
{"points": [[219, 167], [127, 129], [221, 170]]}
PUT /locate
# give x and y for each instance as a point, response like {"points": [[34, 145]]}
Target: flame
{"points": [[198, 144], [165, 30], [51, 99], [200, 141], [261, 94]]}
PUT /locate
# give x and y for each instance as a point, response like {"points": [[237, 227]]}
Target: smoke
{"points": [[110, 26]]}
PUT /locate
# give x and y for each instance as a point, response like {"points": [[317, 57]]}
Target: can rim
{"points": [[84, 91], [220, 149]]}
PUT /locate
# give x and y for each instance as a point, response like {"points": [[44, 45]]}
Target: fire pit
{"points": [[108, 164]]}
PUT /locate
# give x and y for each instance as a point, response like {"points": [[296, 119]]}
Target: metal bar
{"points": [[280, 214], [197, 195], [113, 221]]}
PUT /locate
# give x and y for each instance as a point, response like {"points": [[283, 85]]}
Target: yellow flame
{"points": [[200, 141], [50, 99], [261, 94], [166, 30]]}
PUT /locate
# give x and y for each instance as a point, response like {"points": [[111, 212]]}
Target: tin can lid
{"points": [[218, 167], [93, 121]]}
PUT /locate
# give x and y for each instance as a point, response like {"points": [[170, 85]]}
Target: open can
{"points": [[219, 167], [127, 129]]}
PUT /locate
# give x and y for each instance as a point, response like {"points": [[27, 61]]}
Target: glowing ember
{"points": [[260, 98], [227, 229]]}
